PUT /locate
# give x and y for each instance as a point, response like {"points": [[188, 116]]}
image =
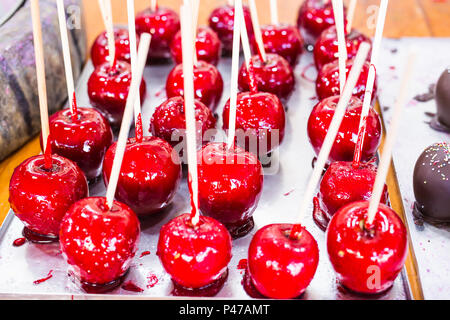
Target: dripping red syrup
{"points": [[131, 286], [144, 253], [48, 154], [19, 242], [251, 77], [74, 108], [193, 207], [319, 217], [305, 70], [39, 281], [152, 280], [34, 237], [209, 290], [359, 144], [138, 130]]}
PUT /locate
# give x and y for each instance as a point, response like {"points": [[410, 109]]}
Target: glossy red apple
{"points": [[230, 182], [108, 90], [99, 243], [194, 256], [281, 266], [100, 49], [221, 21], [40, 197], [149, 175], [83, 140], [346, 139], [260, 116], [282, 39], [273, 76], [168, 122], [162, 24], [208, 83], [326, 47], [328, 84], [207, 45], [367, 259]]}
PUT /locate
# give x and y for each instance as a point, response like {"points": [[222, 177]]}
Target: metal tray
{"points": [[282, 193]]}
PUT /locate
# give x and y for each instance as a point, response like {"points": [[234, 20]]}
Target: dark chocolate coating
{"points": [[431, 182], [443, 98]]}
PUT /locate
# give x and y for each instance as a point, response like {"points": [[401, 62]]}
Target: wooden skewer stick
{"points": [[257, 30], [105, 8], [334, 128], [385, 160], [136, 79], [234, 75], [274, 12], [338, 9], [40, 71], [350, 15], [195, 9], [153, 5], [66, 53], [244, 35], [189, 107]]}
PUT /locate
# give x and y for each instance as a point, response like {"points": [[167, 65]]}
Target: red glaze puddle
{"points": [[131, 286], [19, 242], [144, 253], [39, 281]]}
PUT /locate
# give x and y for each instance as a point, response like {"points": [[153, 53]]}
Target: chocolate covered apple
{"points": [[442, 119], [366, 258], [149, 175], [208, 83], [41, 191], [100, 49]]}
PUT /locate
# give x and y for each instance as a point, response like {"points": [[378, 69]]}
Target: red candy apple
{"points": [[208, 83], [207, 45], [328, 84], [282, 39], [221, 21], [108, 90], [99, 243], [40, 197], [281, 266], [100, 49], [168, 122], [326, 47], [275, 75], [162, 24], [230, 182], [83, 140], [149, 176], [367, 259], [259, 115], [194, 256], [346, 139]]}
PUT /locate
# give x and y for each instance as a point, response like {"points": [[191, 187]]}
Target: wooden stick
{"points": [[334, 128], [274, 12], [338, 9], [40, 71], [385, 160], [189, 107], [153, 5], [244, 35], [133, 92], [66, 53], [195, 9], [350, 15], [257, 30], [234, 75], [106, 11]]}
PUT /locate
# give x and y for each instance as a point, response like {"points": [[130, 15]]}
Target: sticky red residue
{"points": [[359, 144], [193, 208], [138, 129], [19, 242], [305, 70], [391, 67], [288, 193], [152, 280], [242, 265], [131, 286], [251, 77], [48, 154], [74, 108], [144, 253], [39, 281], [158, 93]]}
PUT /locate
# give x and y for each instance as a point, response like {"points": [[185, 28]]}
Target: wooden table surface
{"points": [[418, 18]]}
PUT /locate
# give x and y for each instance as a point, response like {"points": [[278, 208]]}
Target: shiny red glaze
{"points": [[162, 24], [274, 76], [168, 122], [259, 114], [230, 182], [366, 260], [149, 175], [97, 243], [40, 197], [326, 47], [282, 39], [342, 184], [221, 21], [208, 83], [207, 45], [281, 267], [100, 49], [345, 142], [83, 141], [108, 90], [194, 256], [328, 84], [315, 16]]}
